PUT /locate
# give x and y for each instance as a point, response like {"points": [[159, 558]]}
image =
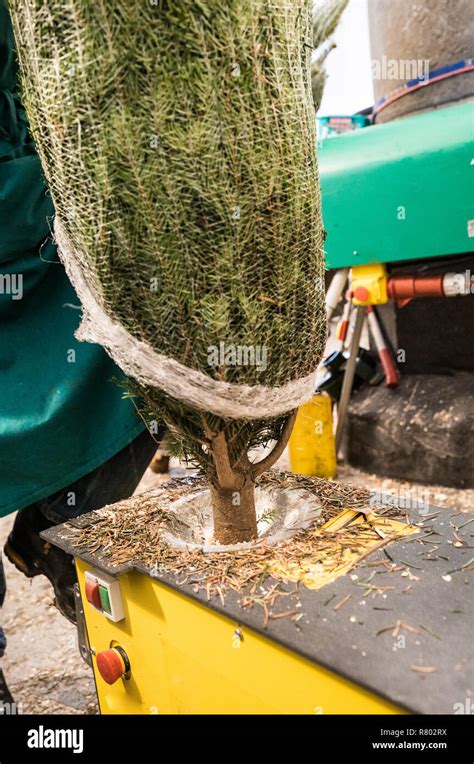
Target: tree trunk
{"points": [[233, 487], [235, 519]]}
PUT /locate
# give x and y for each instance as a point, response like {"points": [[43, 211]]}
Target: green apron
{"points": [[61, 416]]}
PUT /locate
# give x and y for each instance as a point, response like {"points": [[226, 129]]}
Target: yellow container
{"points": [[312, 445]]}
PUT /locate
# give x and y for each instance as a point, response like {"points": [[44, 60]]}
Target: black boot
{"points": [[7, 704], [33, 557]]}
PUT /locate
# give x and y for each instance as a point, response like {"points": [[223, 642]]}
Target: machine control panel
{"points": [[103, 594], [369, 284]]}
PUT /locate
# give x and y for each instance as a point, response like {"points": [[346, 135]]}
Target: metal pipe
{"points": [[343, 326], [392, 378], [403, 288], [349, 375], [334, 292]]}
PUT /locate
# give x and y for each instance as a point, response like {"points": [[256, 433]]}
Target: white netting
{"points": [[178, 140], [139, 360]]}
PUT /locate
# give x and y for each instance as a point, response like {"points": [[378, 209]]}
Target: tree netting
{"points": [[178, 143]]}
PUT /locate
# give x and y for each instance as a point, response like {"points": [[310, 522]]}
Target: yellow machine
{"points": [[186, 658], [363, 643]]}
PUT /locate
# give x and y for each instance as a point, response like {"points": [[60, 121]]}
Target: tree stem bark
{"points": [[235, 518], [233, 488]]}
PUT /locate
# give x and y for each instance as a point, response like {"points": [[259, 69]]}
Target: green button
{"points": [[105, 599]]}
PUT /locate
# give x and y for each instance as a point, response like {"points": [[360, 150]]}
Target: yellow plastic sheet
{"points": [[316, 572]]}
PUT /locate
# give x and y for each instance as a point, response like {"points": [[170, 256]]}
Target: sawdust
{"points": [[136, 530]]}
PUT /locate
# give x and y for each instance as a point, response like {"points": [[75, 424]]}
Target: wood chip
{"points": [[424, 669]]}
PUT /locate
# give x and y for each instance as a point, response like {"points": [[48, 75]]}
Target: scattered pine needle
{"points": [[134, 531], [342, 602], [287, 614]]}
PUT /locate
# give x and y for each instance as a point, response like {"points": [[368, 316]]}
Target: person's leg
{"points": [[3, 591], [6, 700], [111, 482]]}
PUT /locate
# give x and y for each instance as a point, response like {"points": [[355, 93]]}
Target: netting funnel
{"points": [[178, 143]]}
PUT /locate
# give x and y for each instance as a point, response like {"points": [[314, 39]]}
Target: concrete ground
{"points": [[42, 664]]}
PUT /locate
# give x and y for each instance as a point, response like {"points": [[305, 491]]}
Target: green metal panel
{"points": [[401, 190]]}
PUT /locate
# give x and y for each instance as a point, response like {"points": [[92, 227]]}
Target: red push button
{"points": [[93, 593], [111, 665], [361, 293]]}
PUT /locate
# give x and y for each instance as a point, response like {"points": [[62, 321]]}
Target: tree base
{"points": [[235, 519], [280, 511]]}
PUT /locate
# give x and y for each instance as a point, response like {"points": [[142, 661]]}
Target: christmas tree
{"points": [[178, 143]]}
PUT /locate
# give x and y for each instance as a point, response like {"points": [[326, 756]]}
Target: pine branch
{"points": [[326, 16], [277, 451]]}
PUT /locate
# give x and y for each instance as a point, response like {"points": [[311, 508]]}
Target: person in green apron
{"points": [[69, 441]]}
